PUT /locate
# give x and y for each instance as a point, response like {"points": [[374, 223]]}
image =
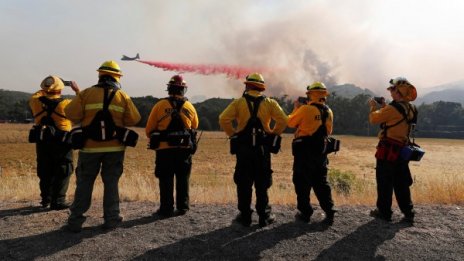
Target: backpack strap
{"points": [[174, 105], [254, 127], [176, 123], [324, 110], [107, 99], [39, 113], [50, 106], [401, 109], [253, 109], [405, 113]]}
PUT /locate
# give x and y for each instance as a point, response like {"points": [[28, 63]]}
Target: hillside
{"points": [[13, 96], [451, 95], [451, 92], [349, 91]]}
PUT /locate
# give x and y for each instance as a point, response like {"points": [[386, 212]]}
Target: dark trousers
{"points": [[88, 167], [310, 172], [393, 176], [169, 163], [253, 167], [54, 168]]}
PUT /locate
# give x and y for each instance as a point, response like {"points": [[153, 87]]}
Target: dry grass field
{"points": [[439, 178]]}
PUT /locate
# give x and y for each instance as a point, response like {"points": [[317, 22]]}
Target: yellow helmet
{"points": [[52, 85], [405, 88], [256, 80], [110, 67], [316, 86], [317, 91]]}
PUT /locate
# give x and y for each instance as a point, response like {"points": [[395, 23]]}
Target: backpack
{"points": [[253, 134], [102, 126], [176, 133], [46, 130], [321, 132], [254, 127], [319, 142], [330, 144]]}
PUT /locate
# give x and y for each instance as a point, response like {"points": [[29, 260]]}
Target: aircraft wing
{"points": [[126, 58]]}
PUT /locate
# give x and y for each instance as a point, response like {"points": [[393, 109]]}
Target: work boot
{"points": [[377, 214], [266, 220], [59, 206], [306, 218], [73, 228], [112, 223], [409, 217], [243, 219], [45, 203], [181, 212], [329, 217], [163, 214]]}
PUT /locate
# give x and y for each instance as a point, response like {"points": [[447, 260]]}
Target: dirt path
{"points": [[207, 233]]}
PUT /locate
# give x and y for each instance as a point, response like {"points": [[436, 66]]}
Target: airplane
{"points": [[125, 58]]}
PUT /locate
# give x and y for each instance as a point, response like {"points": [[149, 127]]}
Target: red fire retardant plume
{"points": [[236, 72]]}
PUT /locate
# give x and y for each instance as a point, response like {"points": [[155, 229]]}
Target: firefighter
{"points": [[392, 173], [103, 154], [313, 122], [171, 128], [253, 113], [54, 154]]}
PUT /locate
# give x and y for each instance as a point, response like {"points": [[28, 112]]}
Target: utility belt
{"points": [[316, 145], [125, 136], [48, 134], [182, 138], [389, 149], [393, 150], [255, 139]]}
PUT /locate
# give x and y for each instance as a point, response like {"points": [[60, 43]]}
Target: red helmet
{"points": [[177, 80]]}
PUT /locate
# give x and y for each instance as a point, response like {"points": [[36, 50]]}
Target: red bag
{"points": [[389, 149]]}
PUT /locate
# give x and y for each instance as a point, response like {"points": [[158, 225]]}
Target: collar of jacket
{"points": [[253, 93]]}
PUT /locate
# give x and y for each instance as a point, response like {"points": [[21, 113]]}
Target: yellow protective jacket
{"points": [[238, 111], [83, 108], [390, 116], [160, 117], [36, 106], [307, 119]]}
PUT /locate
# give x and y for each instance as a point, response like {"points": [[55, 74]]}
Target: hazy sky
{"points": [[364, 42]]}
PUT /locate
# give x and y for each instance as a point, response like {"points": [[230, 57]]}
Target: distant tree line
{"points": [[440, 119]]}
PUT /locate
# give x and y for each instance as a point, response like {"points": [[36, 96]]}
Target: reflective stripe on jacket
{"points": [[238, 110], [82, 109]]}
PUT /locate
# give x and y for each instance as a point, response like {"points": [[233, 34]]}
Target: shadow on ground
{"points": [[55, 241], [233, 242], [362, 244]]}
